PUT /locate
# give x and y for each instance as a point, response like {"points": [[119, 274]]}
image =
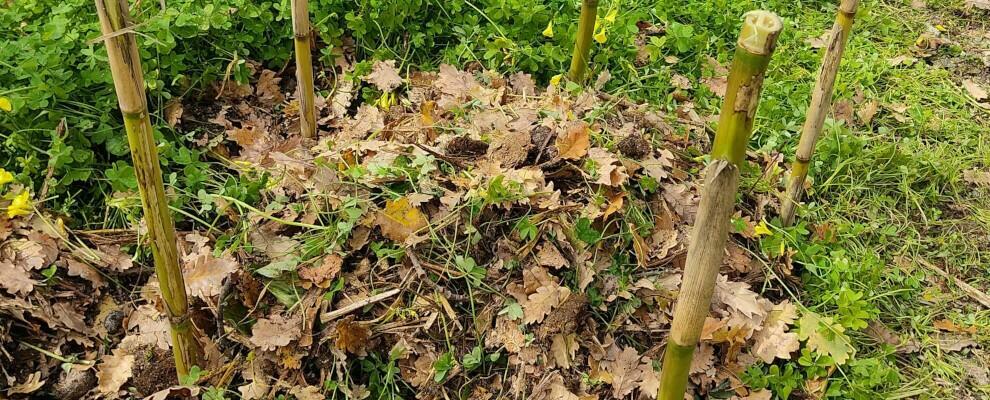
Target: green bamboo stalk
{"points": [[304, 67], [125, 66], [711, 229], [821, 99], [582, 43]]}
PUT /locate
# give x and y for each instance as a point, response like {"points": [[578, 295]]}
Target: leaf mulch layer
{"points": [[458, 234]]}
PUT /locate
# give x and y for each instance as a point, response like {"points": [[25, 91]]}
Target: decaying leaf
{"points": [[400, 219], [384, 76], [277, 331], [322, 275], [113, 372], [352, 336], [15, 279], [975, 90], [573, 143]]}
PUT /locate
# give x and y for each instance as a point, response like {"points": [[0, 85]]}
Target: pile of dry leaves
{"points": [[466, 234]]}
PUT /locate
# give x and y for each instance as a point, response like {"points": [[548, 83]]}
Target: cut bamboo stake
{"points": [[304, 67], [582, 43], [711, 228], [821, 100], [125, 65]]}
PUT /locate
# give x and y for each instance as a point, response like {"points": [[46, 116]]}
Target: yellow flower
{"points": [[610, 18], [549, 31], [555, 80], [5, 177], [5, 104], [600, 36], [20, 205]]}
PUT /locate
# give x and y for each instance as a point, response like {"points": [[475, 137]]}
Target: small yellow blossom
{"points": [[555, 80], [610, 18], [5, 177], [761, 229], [600, 36], [20, 205], [548, 32], [5, 104]]}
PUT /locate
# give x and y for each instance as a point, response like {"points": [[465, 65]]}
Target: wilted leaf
{"points": [[173, 112], [977, 177], [548, 256], [275, 332], [384, 76], [267, 88], [113, 372], [322, 275], [975, 90], [400, 219], [352, 336], [15, 279], [573, 144], [624, 368], [867, 111], [539, 304]]}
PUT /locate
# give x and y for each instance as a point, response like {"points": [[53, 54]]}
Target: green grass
{"points": [[890, 192]]}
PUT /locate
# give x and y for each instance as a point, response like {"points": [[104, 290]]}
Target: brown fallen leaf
{"points": [[384, 75], [277, 331], [867, 111], [267, 89], [113, 372], [977, 177], [352, 336], [979, 4], [549, 256], [173, 112], [16, 279], [975, 90], [322, 275], [573, 144]]}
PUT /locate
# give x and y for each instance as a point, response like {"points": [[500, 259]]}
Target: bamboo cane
{"points": [[821, 99], [711, 229], [582, 43], [304, 67], [125, 66]]}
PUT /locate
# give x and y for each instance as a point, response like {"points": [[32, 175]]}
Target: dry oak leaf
{"points": [[307, 393], [204, 273], [173, 112], [506, 333], [867, 111], [624, 367], [975, 90], [981, 4], [977, 177], [539, 304], [564, 348], [267, 89], [384, 75], [610, 171], [15, 279], [574, 143], [113, 372], [277, 331], [352, 336], [322, 276], [400, 219], [549, 256]]}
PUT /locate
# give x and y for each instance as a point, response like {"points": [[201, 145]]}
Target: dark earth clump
{"points": [[73, 384], [154, 370], [635, 146]]}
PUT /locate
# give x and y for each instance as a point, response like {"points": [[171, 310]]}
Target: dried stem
{"points": [[304, 67], [125, 65], [582, 43], [821, 99], [711, 229]]}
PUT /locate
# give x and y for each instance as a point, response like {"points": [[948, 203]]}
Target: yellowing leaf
{"points": [[761, 230], [825, 337], [400, 219], [5, 104], [20, 205], [548, 32], [610, 18]]}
